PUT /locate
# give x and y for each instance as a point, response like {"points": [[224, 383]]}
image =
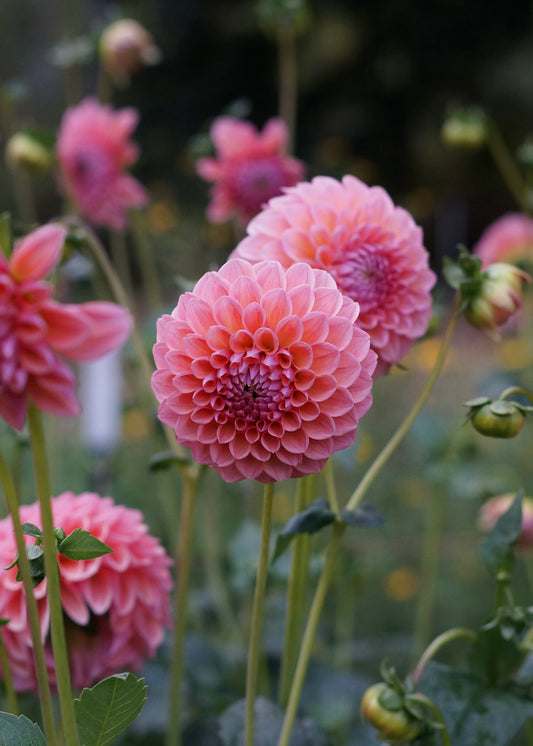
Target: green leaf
{"points": [[453, 274], [36, 558], [475, 713], [105, 710], [365, 516], [19, 731], [309, 521], [30, 529], [495, 657], [165, 459], [496, 548], [82, 545]]}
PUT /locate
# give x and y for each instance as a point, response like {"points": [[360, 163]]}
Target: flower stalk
{"points": [[11, 694], [457, 633]]}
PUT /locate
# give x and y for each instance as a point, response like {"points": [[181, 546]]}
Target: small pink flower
{"points": [[250, 168], [36, 331], [262, 372], [93, 150], [496, 507], [116, 606], [373, 250], [508, 239], [126, 47]]}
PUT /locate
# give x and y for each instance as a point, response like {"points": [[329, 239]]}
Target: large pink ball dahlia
{"points": [[507, 239], [116, 607], [250, 167], [36, 332], [262, 371], [93, 150], [373, 249]]}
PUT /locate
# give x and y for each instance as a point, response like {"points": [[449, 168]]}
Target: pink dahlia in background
{"points": [[262, 371], [116, 607], [93, 150], [497, 506], [36, 332], [373, 249], [250, 167], [508, 239], [125, 48]]}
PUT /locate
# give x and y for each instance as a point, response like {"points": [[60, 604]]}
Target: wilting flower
{"points": [[373, 250], [508, 239], [93, 150], [36, 331], [262, 371], [250, 167], [116, 606], [492, 509], [126, 47], [498, 298]]}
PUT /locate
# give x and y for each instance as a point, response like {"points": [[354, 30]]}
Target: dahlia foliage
{"points": [[36, 332], [116, 606], [93, 150], [508, 239], [250, 167], [262, 371], [495, 507], [373, 250]]}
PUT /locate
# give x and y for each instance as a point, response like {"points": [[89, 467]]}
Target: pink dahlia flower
{"points": [[93, 150], [250, 168], [36, 331], [262, 372], [508, 239], [494, 508], [116, 607], [373, 250]]}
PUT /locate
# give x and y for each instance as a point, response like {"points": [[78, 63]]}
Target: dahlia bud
{"points": [[126, 47], [383, 708], [465, 128], [499, 297], [498, 419], [24, 151]]}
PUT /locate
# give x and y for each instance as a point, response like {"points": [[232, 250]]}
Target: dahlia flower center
{"points": [[252, 392], [363, 275], [254, 182], [91, 167]]}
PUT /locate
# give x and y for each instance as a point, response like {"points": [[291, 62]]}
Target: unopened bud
{"points": [[498, 299], [465, 128], [126, 47], [496, 419], [24, 151], [382, 707]]}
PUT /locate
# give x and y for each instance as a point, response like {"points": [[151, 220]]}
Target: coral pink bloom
{"points": [[116, 606], [494, 508], [508, 239], [251, 167], [373, 250], [35, 331], [262, 371], [93, 149]]}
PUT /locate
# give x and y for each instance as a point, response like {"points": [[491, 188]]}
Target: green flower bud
{"points": [[382, 707], [498, 419], [24, 151], [498, 299], [465, 128]]}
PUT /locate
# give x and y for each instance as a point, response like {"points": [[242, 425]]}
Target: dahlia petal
{"points": [[325, 358], [13, 409], [315, 327], [289, 330], [295, 441], [277, 305], [38, 252], [254, 317], [199, 314], [338, 403], [228, 311], [245, 290], [53, 397], [109, 327], [66, 325], [74, 605]]}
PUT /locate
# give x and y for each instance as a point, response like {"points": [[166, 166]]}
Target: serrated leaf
{"points": [[496, 548], [82, 545], [365, 516], [19, 731], [105, 710], [165, 459], [309, 521], [30, 529]]}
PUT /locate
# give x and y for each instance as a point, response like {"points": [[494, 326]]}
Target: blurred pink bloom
{"points": [[262, 371], [496, 506], [116, 606], [373, 250], [508, 239], [126, 47], [36, 331], [93, 150], [250, 168]]}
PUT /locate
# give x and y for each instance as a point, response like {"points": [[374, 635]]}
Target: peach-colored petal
{"points": [[37, 253]]}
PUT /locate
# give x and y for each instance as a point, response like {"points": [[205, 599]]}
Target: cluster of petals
{"points": [[93, 150], [36, 332], [262, 371], [508, 239], [126, 47], [493, 509], [251, 167], [372, 248], [116, 606]]}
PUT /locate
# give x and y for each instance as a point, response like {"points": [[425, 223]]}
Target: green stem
{"points": [[287, 79], [296, 591], [517, 390], [11, 694], [528, 727], [257, 614], [121, 260], [458, 633], [183, 569], [338, 529], [41, 671], [53, 591], [507, 167], [330, 487], [430, 565]]}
